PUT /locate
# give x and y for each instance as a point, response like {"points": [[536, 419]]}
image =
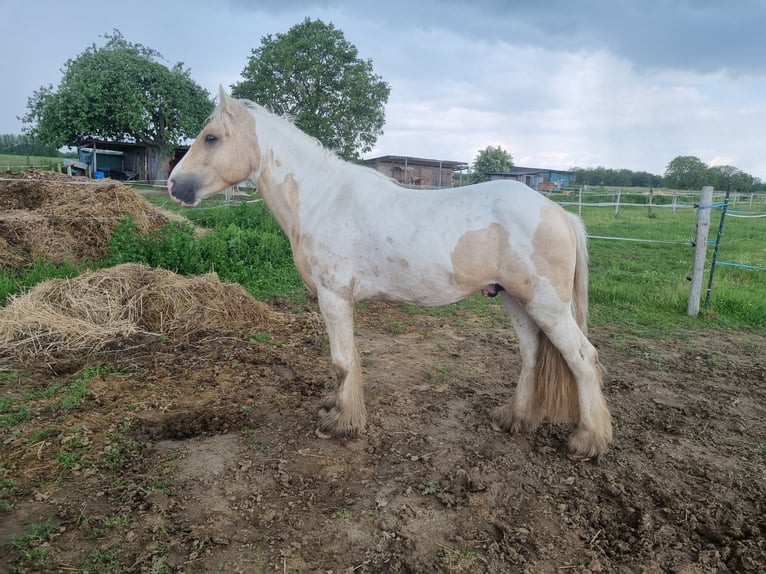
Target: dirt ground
{"points": [[200, 457]]}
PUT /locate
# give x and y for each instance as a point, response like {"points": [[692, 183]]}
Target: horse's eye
{"points": [[210, 138]]}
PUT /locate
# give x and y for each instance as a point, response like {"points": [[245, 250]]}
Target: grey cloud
{"points": [[698, 35]]}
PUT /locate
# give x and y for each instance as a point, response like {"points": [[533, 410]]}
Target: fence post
{"points": [[617, 206], [703, 227], [716, 246]]}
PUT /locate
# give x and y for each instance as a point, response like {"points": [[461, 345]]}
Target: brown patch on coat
{"points": [[554, 251], [282, 199], [304, 256], [485, 256]]}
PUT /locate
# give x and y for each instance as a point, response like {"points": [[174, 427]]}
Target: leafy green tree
{"points": [[490, 160], [729, 177], [120, 92], [313, 74], [24, 145], [686, 172]]}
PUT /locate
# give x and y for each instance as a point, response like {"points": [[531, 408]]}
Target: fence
{"points": [[698, 205]]}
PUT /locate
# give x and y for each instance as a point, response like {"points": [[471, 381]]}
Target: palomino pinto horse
{"points": [[356, 235]]}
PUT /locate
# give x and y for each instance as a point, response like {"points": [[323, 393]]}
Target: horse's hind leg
{"points": [[519, 413], [343, 414], [594, 428]]}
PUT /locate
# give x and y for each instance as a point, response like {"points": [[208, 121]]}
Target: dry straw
{"points": [[58, 217], [98, 309]]}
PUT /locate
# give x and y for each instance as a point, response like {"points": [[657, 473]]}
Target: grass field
{"points": [[21, 162], [650, 280]]}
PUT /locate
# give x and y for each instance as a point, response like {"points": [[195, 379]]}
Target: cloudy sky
{"points": [[556, 83]]}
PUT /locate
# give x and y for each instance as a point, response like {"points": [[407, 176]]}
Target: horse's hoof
{"points": [[503, 421], [584, 445], [337, 423]]}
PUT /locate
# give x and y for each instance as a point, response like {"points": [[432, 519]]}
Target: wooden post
{"points": [[703, 227], [617, 205]]}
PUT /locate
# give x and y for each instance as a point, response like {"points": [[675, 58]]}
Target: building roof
{"points": [[529, 171], [102, 145], [402, 159]]}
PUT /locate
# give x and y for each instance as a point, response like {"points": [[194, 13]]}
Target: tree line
{"points": [[24, 145], [683, 172]]}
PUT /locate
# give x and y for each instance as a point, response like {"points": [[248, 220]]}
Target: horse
{"points": [[357, 235]]}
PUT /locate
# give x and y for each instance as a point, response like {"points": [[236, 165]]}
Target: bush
{"points": [[259, 258], [172, 247]]}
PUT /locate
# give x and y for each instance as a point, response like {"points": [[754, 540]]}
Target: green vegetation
{"points": [[119, 91], [15, 162], [640, 283], [31, 545], [316, 76], [245, 246], [647, 283], [23, 145]]}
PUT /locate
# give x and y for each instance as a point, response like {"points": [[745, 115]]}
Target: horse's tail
{"points": [[555, 393]]}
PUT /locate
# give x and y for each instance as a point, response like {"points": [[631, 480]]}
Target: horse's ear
{"points": [[223, 97]]}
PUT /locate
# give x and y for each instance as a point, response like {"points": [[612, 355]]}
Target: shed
{"points": [[417, 172], [126, 161], [542, 179]]}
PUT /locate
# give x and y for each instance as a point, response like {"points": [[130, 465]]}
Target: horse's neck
{"points": [[293, 172]]}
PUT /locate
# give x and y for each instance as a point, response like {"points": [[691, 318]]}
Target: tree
{"points": [[686, 172], [313, 74], [120, 92], [490, 160], [729, 177], [24, 145]]}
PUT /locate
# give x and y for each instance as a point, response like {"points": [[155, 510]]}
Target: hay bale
{"points": [[59, 217], [100, 309]]}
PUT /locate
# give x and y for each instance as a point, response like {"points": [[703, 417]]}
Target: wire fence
{"points": [[581, 198]]}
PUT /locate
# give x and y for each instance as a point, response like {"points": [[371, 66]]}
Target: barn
{"points": [[542, 179], [123, 161], [417, 172]]}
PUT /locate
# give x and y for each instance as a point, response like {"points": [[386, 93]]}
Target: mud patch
{"points": [[201, 456]]}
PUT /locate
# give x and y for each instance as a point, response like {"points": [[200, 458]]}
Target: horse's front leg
{"points": [[343, 414]]}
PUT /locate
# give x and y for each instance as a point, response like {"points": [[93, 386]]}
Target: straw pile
{"points": [[59, 217], [102, 309]]}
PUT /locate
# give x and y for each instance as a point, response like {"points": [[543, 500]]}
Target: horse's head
{"points": [[224, 154]]}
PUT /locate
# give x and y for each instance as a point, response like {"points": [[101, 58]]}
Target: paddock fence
{"points": [[678, 213], [693, 210]]}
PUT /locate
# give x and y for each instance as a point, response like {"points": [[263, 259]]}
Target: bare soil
{"points": [[200, 457]]}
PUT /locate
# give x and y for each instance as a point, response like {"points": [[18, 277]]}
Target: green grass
{"points": [[30, 545], [647, 283], [14, 163], [641, 283]]}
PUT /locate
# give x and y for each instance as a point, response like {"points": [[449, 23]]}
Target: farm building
{"points": [[123, 161], [537, 178], [417, 172]]}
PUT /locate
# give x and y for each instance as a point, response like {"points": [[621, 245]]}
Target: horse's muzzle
{"points": [[183, 190]]}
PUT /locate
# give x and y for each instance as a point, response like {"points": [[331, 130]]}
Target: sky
{"points": [[558, 84]]}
